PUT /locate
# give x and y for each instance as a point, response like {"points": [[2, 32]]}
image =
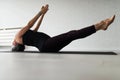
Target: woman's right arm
{"points": [[29, 25]]}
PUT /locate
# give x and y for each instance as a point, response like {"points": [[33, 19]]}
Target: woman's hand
{"points": [[44, 9]]}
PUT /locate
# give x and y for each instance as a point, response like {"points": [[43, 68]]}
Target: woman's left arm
{"points": [[44, 10], [39, 23]]}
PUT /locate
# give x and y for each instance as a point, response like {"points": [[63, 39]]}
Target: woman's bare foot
{"points": [[103, 25]]}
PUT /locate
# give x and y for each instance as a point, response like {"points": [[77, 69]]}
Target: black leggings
{"points": [[54, 44]]}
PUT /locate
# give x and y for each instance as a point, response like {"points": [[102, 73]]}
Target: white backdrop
{"points": [[65, 15]]}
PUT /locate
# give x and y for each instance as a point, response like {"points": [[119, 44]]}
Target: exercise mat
{"points": [[67, 52]]}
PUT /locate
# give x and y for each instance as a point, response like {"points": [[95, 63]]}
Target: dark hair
{"points": [[18, 47]]}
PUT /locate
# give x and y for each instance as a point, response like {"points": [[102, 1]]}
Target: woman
{"points": [[44, 42]]}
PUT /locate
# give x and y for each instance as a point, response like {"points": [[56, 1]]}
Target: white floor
{"points": [[29, 66]]}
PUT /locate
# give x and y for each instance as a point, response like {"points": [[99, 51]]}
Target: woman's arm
{"points": [[29, 25], [39, 23], [32, 22], [44, 10]]}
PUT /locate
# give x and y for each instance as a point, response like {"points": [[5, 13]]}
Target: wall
{"points": [[65, 15]]}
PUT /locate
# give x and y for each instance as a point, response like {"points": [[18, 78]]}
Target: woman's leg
{"points": [[56, 43]]}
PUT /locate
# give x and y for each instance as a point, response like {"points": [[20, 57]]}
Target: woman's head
{"points": [[18, 47]]}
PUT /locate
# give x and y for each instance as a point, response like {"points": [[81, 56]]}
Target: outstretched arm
{"points": [[29, 25], [44, 10], [39, 23], [32, 21]]}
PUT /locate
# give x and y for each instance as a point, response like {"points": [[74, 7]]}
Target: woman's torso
{"points": [[32, 38]]}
